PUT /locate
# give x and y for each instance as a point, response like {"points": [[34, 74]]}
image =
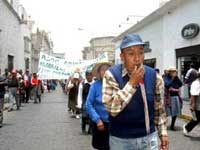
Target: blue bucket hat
{"points": [[131, 40]]}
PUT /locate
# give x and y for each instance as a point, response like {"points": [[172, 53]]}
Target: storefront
{"points": [[173, 35], [186, 56], [150, 62]]}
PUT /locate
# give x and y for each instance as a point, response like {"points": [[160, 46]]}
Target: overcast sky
{"points": [[96, 18]]}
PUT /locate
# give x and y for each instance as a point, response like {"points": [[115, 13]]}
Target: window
{"points": [[27, 63], [26, 44], [10, 62]]}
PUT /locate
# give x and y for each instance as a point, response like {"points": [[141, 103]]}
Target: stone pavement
{"points": [[48, 126], [186, 114], [180, 142], [45, 126]]}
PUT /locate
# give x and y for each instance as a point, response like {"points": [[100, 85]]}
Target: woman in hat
{"points": [[73, 87], [173, 103], [97, 111]]}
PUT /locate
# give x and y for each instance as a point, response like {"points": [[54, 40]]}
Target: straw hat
{"points": [[77, 69], [76, 75], [96, 66], [171, 68]]}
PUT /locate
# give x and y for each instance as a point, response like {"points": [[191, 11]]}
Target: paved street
{"points": [[48, 126], [45, 126]]}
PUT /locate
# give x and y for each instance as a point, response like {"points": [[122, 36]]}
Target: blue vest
{"points": [[130, 122]]}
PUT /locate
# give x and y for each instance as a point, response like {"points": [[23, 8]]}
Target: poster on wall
{"points": [[51, 67]]}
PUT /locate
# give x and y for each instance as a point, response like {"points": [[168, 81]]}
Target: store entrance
{"points": [[185, 57], [187, 61], [150, 62]]}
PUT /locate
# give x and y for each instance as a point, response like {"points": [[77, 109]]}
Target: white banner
{"points": [[54, 68]]}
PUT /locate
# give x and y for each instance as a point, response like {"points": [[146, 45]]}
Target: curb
{"points": [[186, 117]]}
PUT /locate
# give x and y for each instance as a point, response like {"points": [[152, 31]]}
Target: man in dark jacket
{"points": [[13, 87], [190, 76], [2, 93], [86, 88]]}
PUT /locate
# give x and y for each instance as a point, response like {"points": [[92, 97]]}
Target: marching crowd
{"points": [[126, 106], [17, 87]]}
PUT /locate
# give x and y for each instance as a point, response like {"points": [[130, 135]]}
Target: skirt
{"points": [[175, 108], [100, 139]]}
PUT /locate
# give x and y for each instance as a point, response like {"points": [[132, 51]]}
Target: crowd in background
{"points": [[83, 103], [85, 97], [17, 88]]}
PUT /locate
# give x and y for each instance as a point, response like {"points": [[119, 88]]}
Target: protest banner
{"points": [[51, 67]]}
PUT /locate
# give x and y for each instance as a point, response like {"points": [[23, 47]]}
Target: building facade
{"points": [[59, 55], [98, 46], [26, 29], [11, 38], [40, 43], [15, 40], [172, 33], [87, 53]]}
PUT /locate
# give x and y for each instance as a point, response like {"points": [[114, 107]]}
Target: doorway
{"points": [[10, 63]]}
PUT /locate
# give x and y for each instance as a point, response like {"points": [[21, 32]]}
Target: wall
{"points": [[11, 39], [186, 13]]}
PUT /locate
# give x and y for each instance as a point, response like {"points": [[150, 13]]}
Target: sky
{"points": [[72, 23]]}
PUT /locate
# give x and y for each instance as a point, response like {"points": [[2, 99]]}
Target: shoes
{"points": [[172, 128], [72, 116], [185, 132]]}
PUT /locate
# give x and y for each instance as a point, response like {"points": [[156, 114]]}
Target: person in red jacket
{"points": [[34, 83]]}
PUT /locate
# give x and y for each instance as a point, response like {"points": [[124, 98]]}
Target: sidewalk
{"points": [[186, 114]]}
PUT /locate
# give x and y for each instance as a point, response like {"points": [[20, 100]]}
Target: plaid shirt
{"points": [[116, 99]]}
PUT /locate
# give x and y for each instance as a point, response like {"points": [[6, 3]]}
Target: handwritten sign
{"points": [[55, 68]]}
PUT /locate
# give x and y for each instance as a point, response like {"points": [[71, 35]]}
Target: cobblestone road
{"points": [[48, 126], [45, 126]]}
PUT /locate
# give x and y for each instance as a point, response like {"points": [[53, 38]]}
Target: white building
{"points": [[98, 46], [172, 32], [26, 29], [41, 42], [15, 41], [11, 43], [59, 55]]}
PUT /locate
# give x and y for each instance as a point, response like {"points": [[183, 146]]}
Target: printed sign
{"points": [[190, 31]]}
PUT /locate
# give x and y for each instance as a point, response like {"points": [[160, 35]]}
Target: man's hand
{"points": [[164, 143], [136, 75], [100, 125]]}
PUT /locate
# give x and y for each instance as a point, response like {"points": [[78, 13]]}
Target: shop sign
{"points": [[190, 31]]}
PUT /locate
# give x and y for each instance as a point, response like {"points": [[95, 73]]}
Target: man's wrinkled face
{"points": [[132, 56]]}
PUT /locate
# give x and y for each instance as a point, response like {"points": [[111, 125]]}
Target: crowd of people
{"points": [[17, 87], [126, 106]]}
